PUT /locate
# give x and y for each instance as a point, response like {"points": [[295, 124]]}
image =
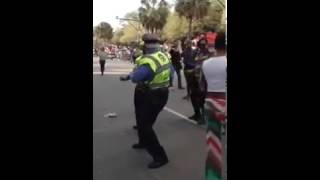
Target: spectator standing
{"points": [[214, 77], [176, 62], [102, 59], [188, 56]]}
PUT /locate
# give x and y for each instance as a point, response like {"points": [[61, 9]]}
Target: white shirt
{"points": [[215, 72], [103, 55]]}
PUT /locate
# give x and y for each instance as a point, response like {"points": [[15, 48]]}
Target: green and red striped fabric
{"points": [[215, 116]]}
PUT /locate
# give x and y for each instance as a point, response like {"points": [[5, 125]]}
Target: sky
{"points": [[107, 10]]}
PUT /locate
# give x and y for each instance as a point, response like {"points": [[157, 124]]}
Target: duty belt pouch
{"points": [[142, 86]]}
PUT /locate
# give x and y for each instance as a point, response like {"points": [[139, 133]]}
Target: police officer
{"points": [[138, 91], [137, 52], [154, 70]]}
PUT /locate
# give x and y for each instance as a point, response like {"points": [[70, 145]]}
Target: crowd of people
{"points": [[114, 51], [188, 57], [203, 61]]}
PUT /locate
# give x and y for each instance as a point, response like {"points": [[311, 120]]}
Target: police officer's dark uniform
{"points": [[138, 91], [155, 98]]}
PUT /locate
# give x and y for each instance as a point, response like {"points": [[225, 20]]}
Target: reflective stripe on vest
{"points": [[159, 85], [160, 68], [159, 79], [156, 62]]}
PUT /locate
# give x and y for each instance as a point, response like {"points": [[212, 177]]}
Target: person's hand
{"points": [[124, 78]]}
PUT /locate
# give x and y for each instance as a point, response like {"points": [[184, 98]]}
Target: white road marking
{"points": [[117, 70], [114, 65], [180, 115], [111, 73]]}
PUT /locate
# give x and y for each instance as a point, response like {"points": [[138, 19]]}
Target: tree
{"points": [[192, 10], [136, 24], [117, 36], [131, 30], [211, 20], [130, 34], [163, 11], [175, 28], [153, 15], [220, 8], [104, 31]]}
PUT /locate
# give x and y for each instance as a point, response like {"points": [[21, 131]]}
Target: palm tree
{"points": [[163, 11], [192, 10], [153, 15]]}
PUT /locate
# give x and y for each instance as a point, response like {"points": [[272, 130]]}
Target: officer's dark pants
{"points": [[139, 96], [102, 64], [153, 104]]}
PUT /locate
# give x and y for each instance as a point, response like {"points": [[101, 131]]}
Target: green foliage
{"points": [[192, 10], [130, 34], [104, 31], [117, 35], [153, 15], [131, 30], [175, 28], [211, 20]]}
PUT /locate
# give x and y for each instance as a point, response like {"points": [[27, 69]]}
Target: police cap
{"points": [[150, 38]]}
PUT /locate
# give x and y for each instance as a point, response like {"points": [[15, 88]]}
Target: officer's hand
{"points": [[124, 78]]}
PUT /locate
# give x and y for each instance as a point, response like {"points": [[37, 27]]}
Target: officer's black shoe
{"points": [[187, 97], [193, 117], [201, 122], [135, 127], [157, 164], [138, 146]]}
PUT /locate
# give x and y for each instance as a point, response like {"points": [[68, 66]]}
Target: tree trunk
{"points": [[190, 28]]}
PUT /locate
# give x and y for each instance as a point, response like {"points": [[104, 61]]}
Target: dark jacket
{"points": [[189, 58], [175, 58]]}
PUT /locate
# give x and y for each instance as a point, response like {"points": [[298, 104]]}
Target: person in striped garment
{"points": [[214, 75]]}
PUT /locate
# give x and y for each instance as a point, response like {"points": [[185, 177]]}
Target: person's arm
{"points": [[172, 72], [180, 58], [183, 57], [141, 74], [203, 81]]}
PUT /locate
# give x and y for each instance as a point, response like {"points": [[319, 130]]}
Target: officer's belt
{"points": [[144, 87]]}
